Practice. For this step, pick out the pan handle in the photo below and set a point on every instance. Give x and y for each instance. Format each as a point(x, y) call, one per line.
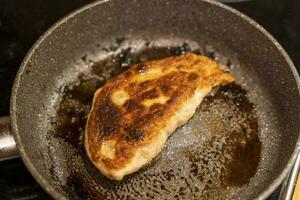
point(8, 147)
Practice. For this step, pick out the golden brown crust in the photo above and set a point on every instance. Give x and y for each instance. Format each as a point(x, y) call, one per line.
point(152, 92)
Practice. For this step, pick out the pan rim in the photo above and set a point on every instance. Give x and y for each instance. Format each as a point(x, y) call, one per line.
point(13, 108)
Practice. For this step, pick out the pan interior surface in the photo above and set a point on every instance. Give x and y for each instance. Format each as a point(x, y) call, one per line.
point(77, 57)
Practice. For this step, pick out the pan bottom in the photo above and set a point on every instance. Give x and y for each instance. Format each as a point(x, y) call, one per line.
point(210, 157)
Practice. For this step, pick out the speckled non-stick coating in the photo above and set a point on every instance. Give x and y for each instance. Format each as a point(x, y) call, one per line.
point(261, 66)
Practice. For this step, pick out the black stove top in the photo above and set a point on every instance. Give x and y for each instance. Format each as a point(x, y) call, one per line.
point(22, 22)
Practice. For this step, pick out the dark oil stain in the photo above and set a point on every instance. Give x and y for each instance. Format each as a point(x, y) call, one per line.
point(119, 40)
point(80, 187)
point(244, 162)
point(73, 110)
point(235, 136)
point(84, 58)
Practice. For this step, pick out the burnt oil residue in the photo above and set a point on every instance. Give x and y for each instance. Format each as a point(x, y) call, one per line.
point(231, 154)
point(73, 110)
point(224, 158)
point(242, 141)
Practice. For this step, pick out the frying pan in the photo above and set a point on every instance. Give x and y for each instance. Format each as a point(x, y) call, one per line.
point(83, 46)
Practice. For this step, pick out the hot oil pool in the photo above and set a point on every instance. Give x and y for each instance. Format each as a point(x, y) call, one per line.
point(209, 157)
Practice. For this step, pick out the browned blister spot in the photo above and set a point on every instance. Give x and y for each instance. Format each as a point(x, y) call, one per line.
point(109, 116)
point(156, 90)
point(144, 85)
point(165, 88)
point(157, 109)
point(127, 74)
point(151, 94)
point(134, 134)
point(197, 62)
point(180, 67)
point(193, 77)
point(131, 105)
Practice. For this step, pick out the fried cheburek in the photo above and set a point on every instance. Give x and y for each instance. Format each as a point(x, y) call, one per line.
point(134, 112)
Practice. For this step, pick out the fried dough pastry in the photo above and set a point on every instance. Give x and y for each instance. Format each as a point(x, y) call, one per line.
point(134, 112)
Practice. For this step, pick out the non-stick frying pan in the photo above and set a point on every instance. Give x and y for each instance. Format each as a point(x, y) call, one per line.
point(54, 85)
